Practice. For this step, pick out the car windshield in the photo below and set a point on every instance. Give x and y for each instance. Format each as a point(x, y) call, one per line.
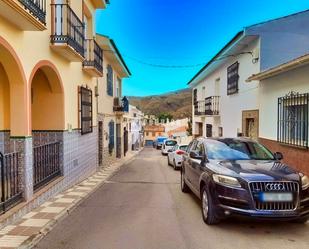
point(170, 143)
point(232, 149)
point(183, 147)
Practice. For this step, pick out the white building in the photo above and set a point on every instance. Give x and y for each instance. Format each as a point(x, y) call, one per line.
point(284, 106)
point(134, 126)
point(224, 104)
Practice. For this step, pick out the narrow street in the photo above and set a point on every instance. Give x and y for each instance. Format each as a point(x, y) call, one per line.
point(143, 207)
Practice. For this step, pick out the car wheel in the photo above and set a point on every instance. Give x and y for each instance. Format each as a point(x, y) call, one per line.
point(174, 165)
point(184, 187)
point(208, 210)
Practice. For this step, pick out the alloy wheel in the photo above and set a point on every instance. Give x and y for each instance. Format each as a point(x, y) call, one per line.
point(205, 204)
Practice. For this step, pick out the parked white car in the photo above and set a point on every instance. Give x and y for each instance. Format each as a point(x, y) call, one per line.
point(174, 156)
point(168, 145)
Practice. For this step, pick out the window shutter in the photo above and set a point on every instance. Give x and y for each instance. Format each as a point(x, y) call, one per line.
point(109, 80)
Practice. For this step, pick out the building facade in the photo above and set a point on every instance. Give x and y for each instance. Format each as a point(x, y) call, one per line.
point(134, 125)
point(49, 65)
point(112, 106)
point(152, 131)
point(284, 110)
point(224, 104)
point(253, 88)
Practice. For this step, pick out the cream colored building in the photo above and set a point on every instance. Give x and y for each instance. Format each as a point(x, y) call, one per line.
point(50, 62)
point(113, 133)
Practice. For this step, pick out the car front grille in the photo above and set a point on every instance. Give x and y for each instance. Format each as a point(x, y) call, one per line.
point(257, 188)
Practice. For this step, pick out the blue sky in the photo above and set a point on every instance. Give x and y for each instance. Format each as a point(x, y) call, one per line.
point(179, 33)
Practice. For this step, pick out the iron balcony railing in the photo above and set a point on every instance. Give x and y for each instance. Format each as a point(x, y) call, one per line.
point(121, 105)
point(46, 163)
point(11, 192)
point(93, 55)
point(199, 107)
point(67, 28)
point(212, 105)
point(37, 8)
point(209, 106)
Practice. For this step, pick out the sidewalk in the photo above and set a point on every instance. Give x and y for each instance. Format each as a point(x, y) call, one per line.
point(35, 225)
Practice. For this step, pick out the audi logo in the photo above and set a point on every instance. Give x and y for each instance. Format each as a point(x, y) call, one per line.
point(275, 186)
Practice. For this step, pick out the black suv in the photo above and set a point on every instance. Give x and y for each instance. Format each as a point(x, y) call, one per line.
point(238, 176)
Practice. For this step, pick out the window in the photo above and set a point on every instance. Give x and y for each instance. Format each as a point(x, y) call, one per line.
point(118, 91)
point(110, 82)
point(147, 133)
point(232, 78)
point(293, 119)
point(170, 143)
point(153, 134)
point(233, 149)
point(85, 96)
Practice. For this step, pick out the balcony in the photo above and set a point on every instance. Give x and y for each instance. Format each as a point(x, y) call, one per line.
point(93, 63)
point(67, 37)
point(121, 105)
point(207, 107)
point(212, 105)
point(27, 15)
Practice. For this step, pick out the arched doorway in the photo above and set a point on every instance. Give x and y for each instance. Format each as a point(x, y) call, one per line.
point(47, 122)
point(14, 126)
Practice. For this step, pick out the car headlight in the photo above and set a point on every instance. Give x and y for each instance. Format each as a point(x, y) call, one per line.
point(226, 180)
point(304, 182)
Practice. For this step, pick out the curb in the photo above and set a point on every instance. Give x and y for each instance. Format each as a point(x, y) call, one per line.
point(35, 239)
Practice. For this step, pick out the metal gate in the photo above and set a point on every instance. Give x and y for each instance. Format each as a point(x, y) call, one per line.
point(125, 141)
point(46, 164)
point(11, 193)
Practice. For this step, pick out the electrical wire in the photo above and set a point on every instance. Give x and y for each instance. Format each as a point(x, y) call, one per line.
point(177, 66)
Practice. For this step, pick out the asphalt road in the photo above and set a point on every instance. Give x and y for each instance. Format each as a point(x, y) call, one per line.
point(143, 207)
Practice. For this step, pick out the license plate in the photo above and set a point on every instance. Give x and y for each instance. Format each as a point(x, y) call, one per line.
point(276, 197)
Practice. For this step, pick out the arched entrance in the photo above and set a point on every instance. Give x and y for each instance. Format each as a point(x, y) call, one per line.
point(14, 126)
point(47, 119)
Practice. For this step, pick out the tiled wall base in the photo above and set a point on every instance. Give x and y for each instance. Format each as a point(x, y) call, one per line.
point(5, 143)
point(79, 162)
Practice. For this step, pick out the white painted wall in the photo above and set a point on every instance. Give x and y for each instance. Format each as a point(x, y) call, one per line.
point(273, 88)
point(231, 106)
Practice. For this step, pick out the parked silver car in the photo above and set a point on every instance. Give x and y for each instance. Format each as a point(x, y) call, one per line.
point(174, 157)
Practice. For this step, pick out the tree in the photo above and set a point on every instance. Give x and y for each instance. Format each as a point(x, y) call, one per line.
point(164, 116)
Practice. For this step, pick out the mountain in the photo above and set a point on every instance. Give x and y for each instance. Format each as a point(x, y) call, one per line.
point(177, 103)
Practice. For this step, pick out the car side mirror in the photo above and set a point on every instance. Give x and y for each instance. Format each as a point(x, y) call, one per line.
point(278, 156)
point(196, 156)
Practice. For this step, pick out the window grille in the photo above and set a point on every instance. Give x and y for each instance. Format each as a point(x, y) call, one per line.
point(85, 110)
point(293, 119)
point(232, 78)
